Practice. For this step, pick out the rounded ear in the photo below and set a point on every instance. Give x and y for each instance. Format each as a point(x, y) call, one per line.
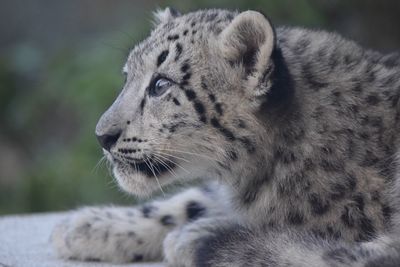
point(248, 41)
point(162, 16)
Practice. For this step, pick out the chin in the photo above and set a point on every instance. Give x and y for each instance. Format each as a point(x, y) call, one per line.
point(140, 181)
point(135, 183)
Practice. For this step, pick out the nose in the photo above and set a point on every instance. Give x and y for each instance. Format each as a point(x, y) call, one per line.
point(109, 139)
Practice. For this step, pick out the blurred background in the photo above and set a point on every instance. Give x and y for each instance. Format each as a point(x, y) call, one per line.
point(60, 68)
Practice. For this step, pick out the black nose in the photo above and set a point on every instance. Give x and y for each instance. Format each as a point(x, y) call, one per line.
point(108, 140)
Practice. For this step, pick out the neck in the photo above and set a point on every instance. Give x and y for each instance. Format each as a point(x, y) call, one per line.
point(279, 115)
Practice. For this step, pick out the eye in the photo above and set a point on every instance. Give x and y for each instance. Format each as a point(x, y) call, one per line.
point(159, 86)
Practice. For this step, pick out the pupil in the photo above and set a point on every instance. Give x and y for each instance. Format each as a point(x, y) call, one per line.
point(160, 83)
point(159, 87)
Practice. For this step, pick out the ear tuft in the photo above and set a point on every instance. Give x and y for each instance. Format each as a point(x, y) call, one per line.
point(165, 15)
point(248, 40)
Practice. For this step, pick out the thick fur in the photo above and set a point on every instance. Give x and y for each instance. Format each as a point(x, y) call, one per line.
point(299, 127)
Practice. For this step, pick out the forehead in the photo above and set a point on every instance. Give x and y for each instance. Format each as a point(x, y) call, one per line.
point(189, 29)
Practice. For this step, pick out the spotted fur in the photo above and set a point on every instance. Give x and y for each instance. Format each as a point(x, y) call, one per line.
point(300, 126)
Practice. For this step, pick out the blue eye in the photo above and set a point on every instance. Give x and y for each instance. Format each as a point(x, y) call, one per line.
point(159, 86)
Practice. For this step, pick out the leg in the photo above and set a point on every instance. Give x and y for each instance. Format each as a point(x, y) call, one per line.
point(181, 244)
point(219, 242)
point(118, 234)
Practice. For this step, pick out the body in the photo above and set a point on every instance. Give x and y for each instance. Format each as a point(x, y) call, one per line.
point(298, 128)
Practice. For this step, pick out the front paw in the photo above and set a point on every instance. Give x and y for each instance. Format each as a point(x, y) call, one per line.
point(85, 235)
point(178, 251)
point(106, 234)
point(181, 244)
point(60, 241)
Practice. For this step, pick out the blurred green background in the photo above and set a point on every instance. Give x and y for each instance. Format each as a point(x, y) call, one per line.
point(60, 68)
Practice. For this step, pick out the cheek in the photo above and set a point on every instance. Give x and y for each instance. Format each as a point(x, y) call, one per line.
point(157, 110)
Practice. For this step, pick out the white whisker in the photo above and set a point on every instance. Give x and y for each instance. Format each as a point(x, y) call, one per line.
point(170, 170)
point(173, 162)
point(150, 165)
point(169, 155)
point(193, 153)
point(96, 167)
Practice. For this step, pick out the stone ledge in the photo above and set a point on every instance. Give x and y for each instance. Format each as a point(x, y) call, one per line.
point(24, 242)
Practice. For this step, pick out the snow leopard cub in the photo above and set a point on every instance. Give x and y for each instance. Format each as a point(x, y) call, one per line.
point(296, 129)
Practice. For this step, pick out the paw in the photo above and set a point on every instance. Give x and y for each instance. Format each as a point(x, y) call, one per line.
point(108, 234)
point(59, 241)
point(181, 244)
point(177, 249)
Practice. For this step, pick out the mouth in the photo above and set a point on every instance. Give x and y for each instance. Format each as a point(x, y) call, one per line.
point(150, 167)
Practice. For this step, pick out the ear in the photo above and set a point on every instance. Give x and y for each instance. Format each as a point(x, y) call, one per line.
point(248, 41)
point(162, 16)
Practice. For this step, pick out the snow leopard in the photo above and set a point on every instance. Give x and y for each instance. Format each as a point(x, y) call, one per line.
point(290, 133)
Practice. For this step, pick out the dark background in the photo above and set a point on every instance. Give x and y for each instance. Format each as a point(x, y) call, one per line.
point(60, 67)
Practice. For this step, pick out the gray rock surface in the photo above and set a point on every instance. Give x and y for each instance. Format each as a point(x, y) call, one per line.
point(24, 242)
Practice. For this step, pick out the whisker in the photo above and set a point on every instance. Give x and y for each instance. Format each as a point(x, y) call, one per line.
point(169, 155)
point(193, 153)
point(173, 162)
point(214, 160)
point(112, 183)
point(109, 166)
point(165, 165)
point(96, 167)
point(152, 170)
